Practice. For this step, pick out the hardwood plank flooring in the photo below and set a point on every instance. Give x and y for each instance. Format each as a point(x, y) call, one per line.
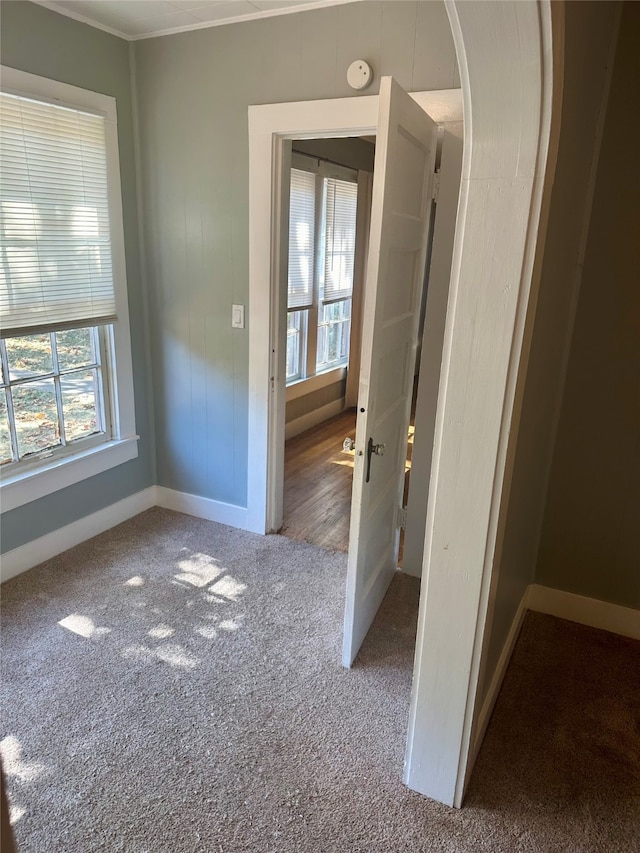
point(318, 476)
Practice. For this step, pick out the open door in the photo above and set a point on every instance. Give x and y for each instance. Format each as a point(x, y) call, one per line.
point(400, 214)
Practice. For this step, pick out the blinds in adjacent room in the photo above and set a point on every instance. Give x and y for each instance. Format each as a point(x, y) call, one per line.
point(302, 225)
point(340, 239)
point(55, 264)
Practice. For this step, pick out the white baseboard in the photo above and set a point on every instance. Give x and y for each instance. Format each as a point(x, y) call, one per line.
point(586, 611)
point(223, 513)
point(314, 418)
point(498, 677)
point(33, 553)
point(37, 551)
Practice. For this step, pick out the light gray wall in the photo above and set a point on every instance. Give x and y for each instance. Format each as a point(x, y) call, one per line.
point(42, 42)
point(193, 90)
point(590, 543)
point(589, 31)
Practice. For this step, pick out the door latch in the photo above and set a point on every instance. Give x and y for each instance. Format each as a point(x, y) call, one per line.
point(372, 448)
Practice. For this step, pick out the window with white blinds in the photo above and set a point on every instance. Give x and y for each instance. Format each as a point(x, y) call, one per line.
point(302, 228)
point(340, 239)
point(322, 249)
point(55, 242)
point(67, 409)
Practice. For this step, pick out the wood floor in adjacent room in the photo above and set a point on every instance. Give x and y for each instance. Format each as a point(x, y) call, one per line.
point(318, 476)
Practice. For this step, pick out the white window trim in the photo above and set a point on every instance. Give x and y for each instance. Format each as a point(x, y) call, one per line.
point(312, 378)
point(35, 482)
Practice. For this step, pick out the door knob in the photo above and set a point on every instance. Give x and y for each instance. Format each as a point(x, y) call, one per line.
point(372, 448)
point(348, 444)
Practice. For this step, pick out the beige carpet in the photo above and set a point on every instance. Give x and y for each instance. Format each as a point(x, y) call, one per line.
point(174, 685)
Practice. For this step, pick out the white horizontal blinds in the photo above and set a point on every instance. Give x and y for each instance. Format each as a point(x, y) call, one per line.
point(302, 227)
point(340, 239)
point(55, 264)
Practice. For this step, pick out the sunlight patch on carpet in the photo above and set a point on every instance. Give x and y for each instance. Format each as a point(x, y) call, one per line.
point(13, 763)
point(83, 626)
point(199, 570)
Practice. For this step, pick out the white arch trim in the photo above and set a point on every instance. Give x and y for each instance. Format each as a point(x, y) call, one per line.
point(506, 63)
point(505, 57)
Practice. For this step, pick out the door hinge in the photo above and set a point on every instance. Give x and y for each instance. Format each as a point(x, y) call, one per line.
point(402, 518)
point(436, 187)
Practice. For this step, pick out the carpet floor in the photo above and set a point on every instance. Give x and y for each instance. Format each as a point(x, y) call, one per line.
point(175, 685)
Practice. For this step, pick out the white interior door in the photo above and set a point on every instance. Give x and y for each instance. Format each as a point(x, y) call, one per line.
point(400, 212)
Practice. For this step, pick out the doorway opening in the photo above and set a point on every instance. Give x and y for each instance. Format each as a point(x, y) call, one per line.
point(503, 183)
point(318, 468)
point(328, 224)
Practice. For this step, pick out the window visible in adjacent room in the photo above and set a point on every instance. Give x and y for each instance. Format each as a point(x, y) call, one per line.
point(66, 391)
point(322, 240)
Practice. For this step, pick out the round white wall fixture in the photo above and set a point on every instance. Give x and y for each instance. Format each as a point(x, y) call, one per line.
point(359, 74)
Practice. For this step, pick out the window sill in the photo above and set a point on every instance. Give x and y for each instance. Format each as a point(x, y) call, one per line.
point(302, 387)
point(27, 486)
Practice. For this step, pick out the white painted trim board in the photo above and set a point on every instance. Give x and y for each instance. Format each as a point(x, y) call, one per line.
point(219, 511)
point(586, 611)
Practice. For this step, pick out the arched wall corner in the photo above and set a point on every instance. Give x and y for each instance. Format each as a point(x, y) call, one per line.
point(505, 55)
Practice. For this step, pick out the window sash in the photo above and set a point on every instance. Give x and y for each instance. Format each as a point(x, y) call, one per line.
point(58, 374)
point(334, 331)
point(327, 194)
point(55, 241)
point(302, 240)
point(339, 240)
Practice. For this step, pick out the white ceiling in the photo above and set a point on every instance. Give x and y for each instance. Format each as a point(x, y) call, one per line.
point(135, 19)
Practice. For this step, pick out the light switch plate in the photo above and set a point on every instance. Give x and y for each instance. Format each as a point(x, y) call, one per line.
point(237, 316)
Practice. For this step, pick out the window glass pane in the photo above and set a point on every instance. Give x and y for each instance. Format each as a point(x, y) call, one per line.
point(80, 404)
point(5, 435)
point(29, 356)
point(334, 330)
point(36, 416)
point(301, 239)
point(75, 348)
point(340, 238)
point(294, 323)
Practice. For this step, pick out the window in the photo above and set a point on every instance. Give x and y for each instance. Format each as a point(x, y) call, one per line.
point(66, 392)
point(322, 238)
point(53, 394)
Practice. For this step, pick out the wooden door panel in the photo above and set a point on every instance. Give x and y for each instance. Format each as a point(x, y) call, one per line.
point(401, 207)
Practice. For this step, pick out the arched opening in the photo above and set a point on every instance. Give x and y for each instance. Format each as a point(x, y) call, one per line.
point(506, 59)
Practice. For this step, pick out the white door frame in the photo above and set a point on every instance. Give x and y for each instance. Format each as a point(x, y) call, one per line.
point(270, 125)
point(507, 111)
